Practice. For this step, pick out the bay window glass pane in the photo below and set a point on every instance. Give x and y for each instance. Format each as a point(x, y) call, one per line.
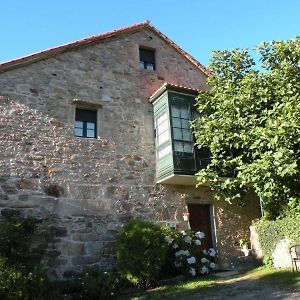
point(184, 112)
point(175, 111)
point(163, 137)
point(162, 127)
point(186, 135)
point(178, 146)
point(162, 118)
point(176, 122)
point(177, 133)
point(164, 151)
point(185, 123)
point(188, 147)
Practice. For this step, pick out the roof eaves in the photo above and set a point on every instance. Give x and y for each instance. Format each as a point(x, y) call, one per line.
point(25, 60)
point(28, 59)
point(181, 51)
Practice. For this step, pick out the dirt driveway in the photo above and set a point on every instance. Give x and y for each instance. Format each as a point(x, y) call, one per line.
point(247, 288)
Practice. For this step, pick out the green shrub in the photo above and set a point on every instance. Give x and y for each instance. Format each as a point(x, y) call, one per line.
point(20, 274)
point(95, 284)
point(141, 252)
point(16, 283)
point(15, 238)
point(271, 232)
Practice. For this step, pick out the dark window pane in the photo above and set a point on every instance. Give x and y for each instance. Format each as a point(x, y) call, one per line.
point(176, 122)
point(188, 147)
point(186, 135)
point(147, 59)
point(185, 123)
point(147, 55)
point(184, 112)
point(86, 115)
point(175, 111)
point(177, 133)
point(178, 146)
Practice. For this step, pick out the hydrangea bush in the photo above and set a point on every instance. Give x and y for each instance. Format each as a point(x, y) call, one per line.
point(187, 255)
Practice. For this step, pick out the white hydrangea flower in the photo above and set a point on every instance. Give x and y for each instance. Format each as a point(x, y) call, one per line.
point(187, 239)
point(212, 252)
point(168, 239)
point(175, 246)
point(203, 260)
point(182, 253)
point(197, 242)
point(204, 252)
point(199, 235)
point(192, 271)
point(183, 232)
point(212, 265)
point(191, 260)
point(204, 270)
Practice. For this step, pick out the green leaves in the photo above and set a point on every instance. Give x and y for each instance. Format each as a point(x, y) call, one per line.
point(250, 121)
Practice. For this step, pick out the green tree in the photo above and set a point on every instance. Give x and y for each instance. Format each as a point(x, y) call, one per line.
point(250, 122)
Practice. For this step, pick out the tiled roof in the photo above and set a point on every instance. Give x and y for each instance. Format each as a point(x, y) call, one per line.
point(173, 87)
point(94, 39)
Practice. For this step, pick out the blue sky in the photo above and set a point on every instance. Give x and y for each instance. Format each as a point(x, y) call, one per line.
point(198, 26)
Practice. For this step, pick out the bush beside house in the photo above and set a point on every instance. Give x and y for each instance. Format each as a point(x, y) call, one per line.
point(283, 232)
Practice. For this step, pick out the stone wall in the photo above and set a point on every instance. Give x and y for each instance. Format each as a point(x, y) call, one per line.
point(88, 188)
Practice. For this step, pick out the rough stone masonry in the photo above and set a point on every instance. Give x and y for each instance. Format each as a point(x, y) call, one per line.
point(86, 189)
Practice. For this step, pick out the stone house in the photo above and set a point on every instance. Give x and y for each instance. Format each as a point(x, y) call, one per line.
point(95, 133)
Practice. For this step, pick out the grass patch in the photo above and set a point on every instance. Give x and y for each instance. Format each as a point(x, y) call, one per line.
point(256, 281)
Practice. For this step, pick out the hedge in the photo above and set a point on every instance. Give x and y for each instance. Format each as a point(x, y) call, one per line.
point(272, 232)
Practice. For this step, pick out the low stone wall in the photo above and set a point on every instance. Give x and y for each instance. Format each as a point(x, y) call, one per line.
point(72, 239)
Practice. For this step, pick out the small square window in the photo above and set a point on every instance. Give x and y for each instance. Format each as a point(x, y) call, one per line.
point(85, 123)
point(147, 59)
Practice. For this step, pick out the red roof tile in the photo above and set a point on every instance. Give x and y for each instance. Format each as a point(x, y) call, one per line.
point(94, 39)
point(172, 86)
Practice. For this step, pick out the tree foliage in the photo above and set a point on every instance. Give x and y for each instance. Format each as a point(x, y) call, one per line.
point(250, 121)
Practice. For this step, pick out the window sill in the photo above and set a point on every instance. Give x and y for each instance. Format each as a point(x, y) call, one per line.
point(146, 70)
point(87, 138)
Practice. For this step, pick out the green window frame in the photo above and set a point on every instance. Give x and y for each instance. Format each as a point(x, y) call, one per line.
point(182, 134)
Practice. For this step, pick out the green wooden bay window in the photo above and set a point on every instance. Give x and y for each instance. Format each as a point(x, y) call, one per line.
point(177, 160)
